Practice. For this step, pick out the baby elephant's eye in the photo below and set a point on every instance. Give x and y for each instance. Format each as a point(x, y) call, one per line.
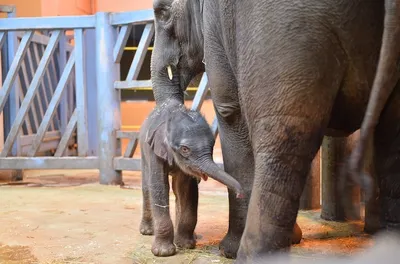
point(184, 150)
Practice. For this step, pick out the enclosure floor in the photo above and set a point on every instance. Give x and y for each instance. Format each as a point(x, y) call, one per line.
point(72, 219)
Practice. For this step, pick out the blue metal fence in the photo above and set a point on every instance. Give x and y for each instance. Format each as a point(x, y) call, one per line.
point(60, 97)
point(61, 88)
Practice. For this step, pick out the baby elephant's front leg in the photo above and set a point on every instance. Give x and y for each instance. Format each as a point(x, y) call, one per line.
point(186, 191)
point(163, 244)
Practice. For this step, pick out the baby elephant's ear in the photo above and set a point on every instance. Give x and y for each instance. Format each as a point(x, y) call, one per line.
point(155, 137)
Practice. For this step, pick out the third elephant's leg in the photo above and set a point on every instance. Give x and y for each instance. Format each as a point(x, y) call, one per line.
point(387, 155)
point(187, 198)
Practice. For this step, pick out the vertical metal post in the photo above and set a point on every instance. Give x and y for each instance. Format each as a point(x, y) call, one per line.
point(91, 86)
point(108, 100)
point(62, 61)
point(333, 153)
point(12, 105)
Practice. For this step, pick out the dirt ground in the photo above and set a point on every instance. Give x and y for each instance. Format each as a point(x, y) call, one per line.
point(66, 217)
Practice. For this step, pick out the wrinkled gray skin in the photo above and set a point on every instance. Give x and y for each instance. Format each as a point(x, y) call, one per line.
point(296, 71)
point(282, 74)
point(179, 142)
point(179, 44)
point(388, 74)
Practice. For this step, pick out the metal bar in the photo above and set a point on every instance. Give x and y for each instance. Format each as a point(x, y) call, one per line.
point(15, 65)
point(130, 149)
point(80, 86)
point(201, 93)
point(44, 146)
point(30, 93)
point(127, 164)
point(132, 84)
point(49, 163)
point(28, 139)
point(32, 106)
point(144, 43)
point(331, 207)
point(135, 48)
point(134, 18)
point(108, 100)
point(35, 107)
point(13, 102)
point(214, 127)
point(55, 100)
point(67, 135)
point(62, 61)
point(2, 38)
point(50, 23)
point(91, 86)
point(36, 38)
point(121, 42)
point(53, 80)
point(44, 93)
point(127, 134)
point(27, 119)
point(21, 94)
point(49, 90)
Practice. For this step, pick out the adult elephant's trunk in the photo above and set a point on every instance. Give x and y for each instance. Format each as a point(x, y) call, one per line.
point(385, 80)
point(212, 170)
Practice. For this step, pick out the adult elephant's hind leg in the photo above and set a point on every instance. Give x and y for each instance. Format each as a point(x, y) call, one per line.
point(186, 191)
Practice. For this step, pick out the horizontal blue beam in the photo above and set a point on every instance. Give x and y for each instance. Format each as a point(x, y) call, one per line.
point(129, 85)
point(51, 23)
point(133, 18)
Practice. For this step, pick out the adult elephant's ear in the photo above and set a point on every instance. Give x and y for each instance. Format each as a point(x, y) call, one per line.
point(156, 138)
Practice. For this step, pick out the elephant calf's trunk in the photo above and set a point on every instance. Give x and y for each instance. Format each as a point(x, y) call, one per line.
point(213, 171)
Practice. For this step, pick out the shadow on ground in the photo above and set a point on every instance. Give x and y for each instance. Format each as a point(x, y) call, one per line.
point(66, 217)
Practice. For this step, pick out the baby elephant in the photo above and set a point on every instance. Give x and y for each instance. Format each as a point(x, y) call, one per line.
point(179, 142)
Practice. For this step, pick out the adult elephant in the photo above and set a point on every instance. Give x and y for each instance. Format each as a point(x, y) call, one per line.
point(176, 59)
point(283, 74)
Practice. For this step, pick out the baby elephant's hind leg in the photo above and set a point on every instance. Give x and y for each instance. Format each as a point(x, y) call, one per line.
point(146, 225)
point(187, 196)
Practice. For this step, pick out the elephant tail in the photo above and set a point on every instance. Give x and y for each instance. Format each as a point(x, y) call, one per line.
point(387, 75)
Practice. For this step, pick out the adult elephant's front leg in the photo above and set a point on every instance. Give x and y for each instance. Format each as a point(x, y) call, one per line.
point(287, 103)
point(236, 149)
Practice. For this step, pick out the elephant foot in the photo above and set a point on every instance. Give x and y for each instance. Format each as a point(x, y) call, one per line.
point(146, 228)
point(185, 242)
point(229, 246)
point(163, 248)
point(297, 234)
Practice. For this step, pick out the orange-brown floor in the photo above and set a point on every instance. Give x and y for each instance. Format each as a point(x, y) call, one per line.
point(70, 218)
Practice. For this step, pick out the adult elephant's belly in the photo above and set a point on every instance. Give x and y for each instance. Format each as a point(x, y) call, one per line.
point(359, 41)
